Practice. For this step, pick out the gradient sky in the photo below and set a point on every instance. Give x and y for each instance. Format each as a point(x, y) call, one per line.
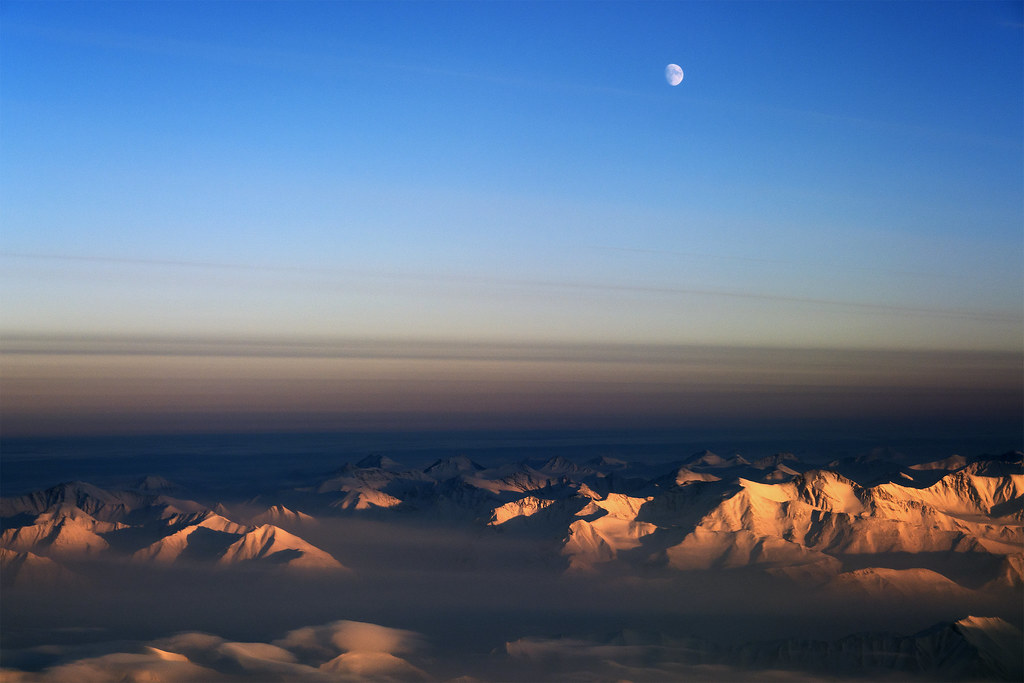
point(841, 177)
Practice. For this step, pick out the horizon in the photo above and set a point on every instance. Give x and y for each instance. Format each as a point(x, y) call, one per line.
point(334, 215)
point(132, 384)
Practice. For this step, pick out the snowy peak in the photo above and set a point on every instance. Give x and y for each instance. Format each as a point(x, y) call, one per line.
point(830, 491)
point(775, 460)
point(1003, 465)
point(1000, 645)
point(524, 479)
point(523, 507)
point(63, 532)
point(201, 537)
point(622, 506)
point(608, 527)
point(685, 475)
point(91, 499)
point(447, 468)
point(365, 499)
point(963, 494)
point(354, 477)
point(154, 484)
point(706, 458)
point(192, 543)
point(68, 511)
point(279, 514)
point(380, 462)
point(272, 545)
point(561, 466)
point(708, 466)
point(216, 539)
point(952, 463)
point(604, 463)
point(1010, 575)
point(207, 519)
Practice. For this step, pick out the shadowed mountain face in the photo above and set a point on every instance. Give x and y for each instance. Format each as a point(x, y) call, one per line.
point(534, 563)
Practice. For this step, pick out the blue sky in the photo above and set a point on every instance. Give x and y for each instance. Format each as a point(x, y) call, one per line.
point(828, 175)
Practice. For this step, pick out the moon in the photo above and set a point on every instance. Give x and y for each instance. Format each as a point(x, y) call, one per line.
point(673, 74)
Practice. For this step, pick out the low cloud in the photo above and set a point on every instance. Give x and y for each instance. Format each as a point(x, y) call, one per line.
point(329, 640)
point(339, 651)
point(354, 636)
point(121, 666)
point(633, 658)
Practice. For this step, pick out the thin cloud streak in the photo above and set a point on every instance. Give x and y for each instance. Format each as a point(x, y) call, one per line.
point(461, 350)
point(850, 306)
point(779, 262)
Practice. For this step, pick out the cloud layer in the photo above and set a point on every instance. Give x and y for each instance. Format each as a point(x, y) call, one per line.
point(339, 651)
point(166, 383)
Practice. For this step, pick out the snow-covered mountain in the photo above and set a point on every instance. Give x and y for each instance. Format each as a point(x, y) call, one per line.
point(775, 514)
point(864, 532)
point(273, 545)
point(63, 530)
point(154, 483)
point(99, 503)
point(279, 514)
point(51, 526)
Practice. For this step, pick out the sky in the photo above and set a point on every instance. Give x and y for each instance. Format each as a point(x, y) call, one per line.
point(315, 214)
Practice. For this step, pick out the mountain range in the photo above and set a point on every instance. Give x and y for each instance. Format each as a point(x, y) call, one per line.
point(775, 514)
point(869, 530)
